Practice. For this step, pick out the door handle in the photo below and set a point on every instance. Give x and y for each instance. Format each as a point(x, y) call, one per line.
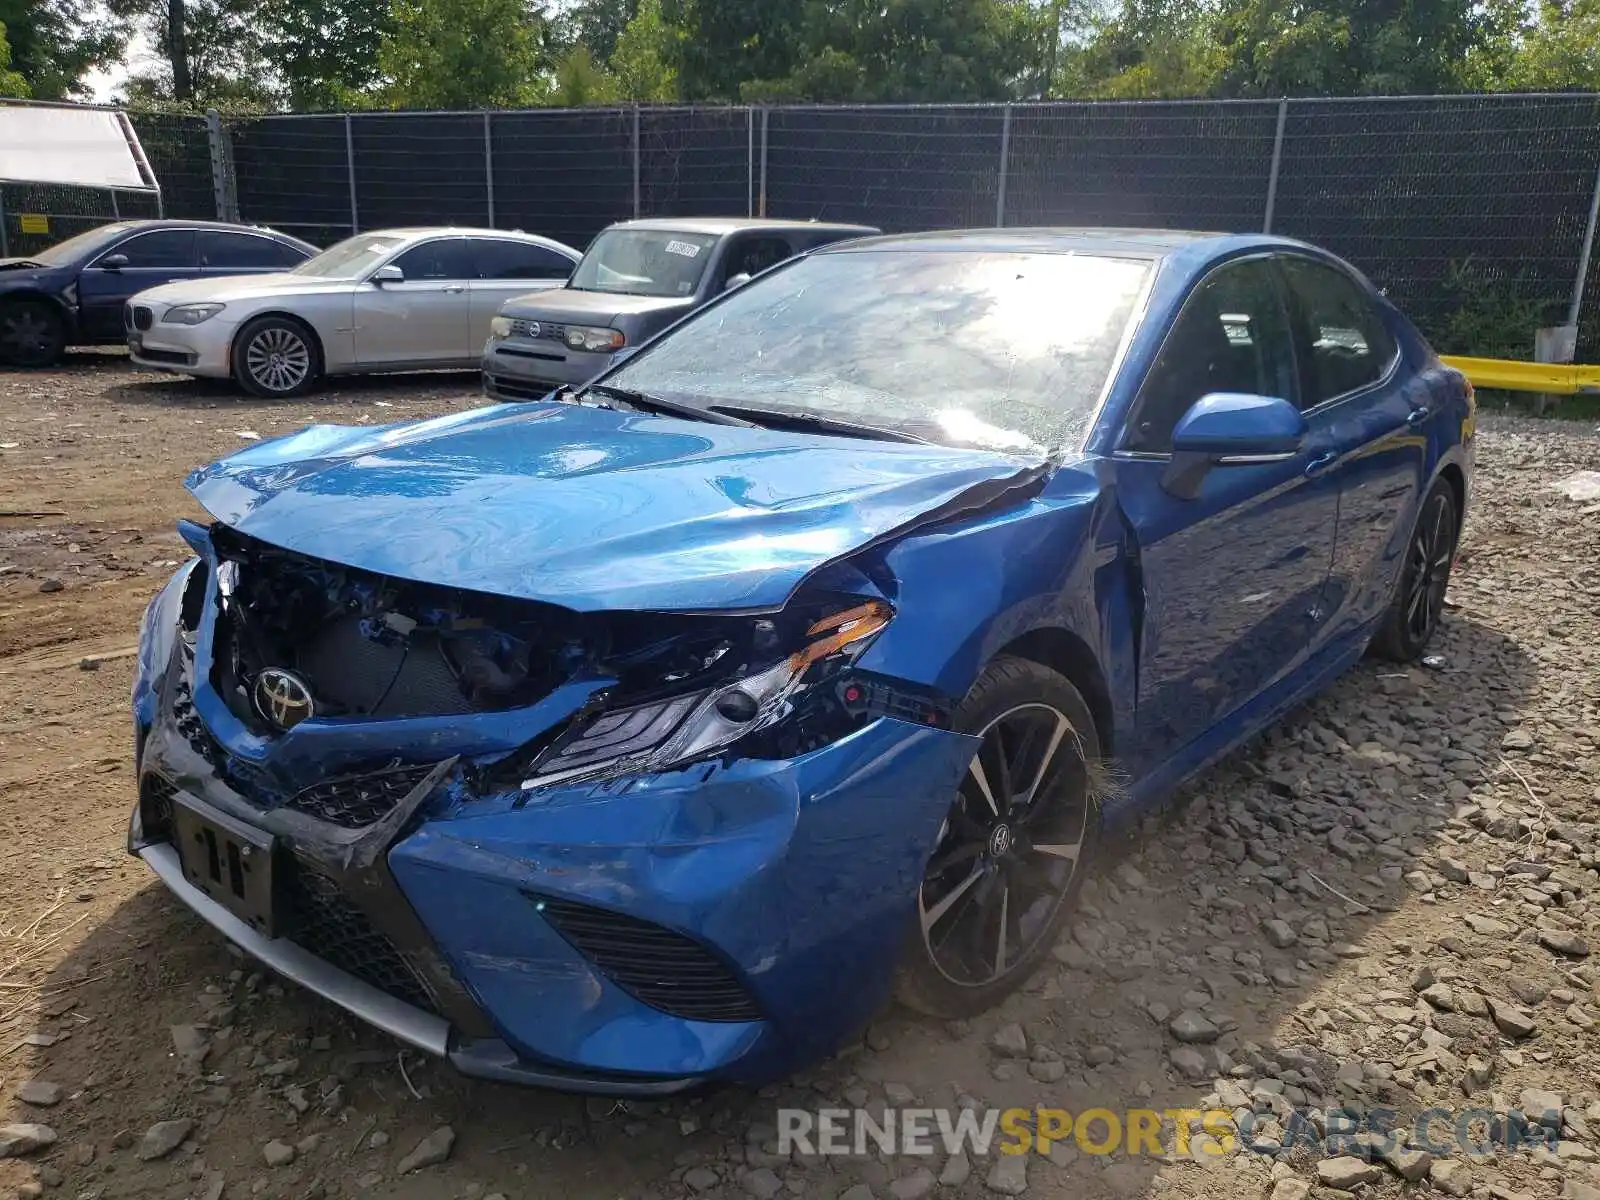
point(1418, 416)
point(1320, 461)
point(453, 289)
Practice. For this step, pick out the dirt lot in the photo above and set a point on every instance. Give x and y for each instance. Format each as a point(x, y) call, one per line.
point(1387, 902)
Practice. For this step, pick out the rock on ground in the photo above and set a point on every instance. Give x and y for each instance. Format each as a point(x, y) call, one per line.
point(431, 1150)
point(162, 1138)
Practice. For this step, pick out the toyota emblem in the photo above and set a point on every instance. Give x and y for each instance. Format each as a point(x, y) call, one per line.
point(283, 698)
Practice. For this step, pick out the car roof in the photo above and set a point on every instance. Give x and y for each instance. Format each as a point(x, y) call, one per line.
point(418, 232)
point(717, 226)
point(135, 224)
point(1132, 243)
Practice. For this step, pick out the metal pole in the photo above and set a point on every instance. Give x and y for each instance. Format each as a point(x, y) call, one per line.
point(750, 162)
point(488, 167)
point(116, 211)
point(636, 205)
point(161, 205)
point(762, 194)
point(219, 182)
point(1576, 307)
point(1277, 158)
point(5, 234)
point(1005, 161)
point(350, 162)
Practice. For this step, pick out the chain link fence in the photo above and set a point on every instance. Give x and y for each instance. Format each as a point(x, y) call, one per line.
point(1472, 212)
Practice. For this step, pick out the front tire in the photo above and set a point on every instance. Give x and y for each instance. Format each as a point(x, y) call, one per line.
point(1014, 848)
point(32, 333)
point(276, 358)
point(1413, 616)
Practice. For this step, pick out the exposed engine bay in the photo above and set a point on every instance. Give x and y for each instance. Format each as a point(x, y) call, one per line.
point(371, 646)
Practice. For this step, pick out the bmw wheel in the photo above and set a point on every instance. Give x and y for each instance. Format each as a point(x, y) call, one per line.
point(1014, 846)
point(1418, 602)
point(276, 357)
point(32, 333)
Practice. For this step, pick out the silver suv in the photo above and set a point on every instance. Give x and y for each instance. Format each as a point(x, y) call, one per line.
point(636, 278)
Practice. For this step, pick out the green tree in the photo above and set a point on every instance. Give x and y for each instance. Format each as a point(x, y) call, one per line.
point(1561, 52)
point(1359, 47)
point(11, 83)
point(54, 43)
point(212, 53)
point(911, 50)
point(325, 51)
point(596, 24)
point(462, 54)
point(644, 58)
point(581, 81)
point(723, 44)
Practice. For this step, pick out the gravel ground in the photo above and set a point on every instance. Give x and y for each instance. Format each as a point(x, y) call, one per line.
point(1387, 902)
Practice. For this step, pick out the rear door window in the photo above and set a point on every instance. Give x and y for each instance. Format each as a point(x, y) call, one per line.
point(220, 250)
point(1345, 343)
point(505, 259)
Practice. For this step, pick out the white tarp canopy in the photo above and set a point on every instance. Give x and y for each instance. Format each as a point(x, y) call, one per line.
point(85, 147)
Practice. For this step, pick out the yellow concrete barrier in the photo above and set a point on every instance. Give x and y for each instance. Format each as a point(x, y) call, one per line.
point(1560, 379)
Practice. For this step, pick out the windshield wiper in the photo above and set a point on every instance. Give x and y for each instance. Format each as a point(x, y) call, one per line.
point(648, 403)
point(808, 420)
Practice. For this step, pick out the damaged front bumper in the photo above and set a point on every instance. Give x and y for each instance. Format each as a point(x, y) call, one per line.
point(726, 921)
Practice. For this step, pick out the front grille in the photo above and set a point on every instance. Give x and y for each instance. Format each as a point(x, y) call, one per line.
point(547, 330)
point(155, 807)
point(656, 966)
point(358, 800)
point(520, 389)
point(322, 919)
point(140, 317)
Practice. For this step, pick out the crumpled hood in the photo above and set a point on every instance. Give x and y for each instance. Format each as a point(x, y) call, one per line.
point(233, 288)
point(590, 508)
point(570, 306)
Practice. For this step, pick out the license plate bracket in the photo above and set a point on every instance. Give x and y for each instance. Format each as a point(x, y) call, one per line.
point(229, 861)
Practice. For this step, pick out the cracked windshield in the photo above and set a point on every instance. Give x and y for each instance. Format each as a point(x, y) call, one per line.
point(1001, 351)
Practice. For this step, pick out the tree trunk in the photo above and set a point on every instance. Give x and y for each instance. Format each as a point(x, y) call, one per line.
point(178, 50)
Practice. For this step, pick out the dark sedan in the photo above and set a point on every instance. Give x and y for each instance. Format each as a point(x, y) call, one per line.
point(72, 294)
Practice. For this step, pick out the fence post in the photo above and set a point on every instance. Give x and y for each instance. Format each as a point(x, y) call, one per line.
point(1005, 162)
point(350, 164)
point(488, 166)
point(636, 196)
point(5, 236)
point(1575, 309)
point(750, 161)
point(216, 138)
point(1277, 159)
point(761, 195)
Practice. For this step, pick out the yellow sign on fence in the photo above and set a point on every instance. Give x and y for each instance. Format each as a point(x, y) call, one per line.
point(33, 222)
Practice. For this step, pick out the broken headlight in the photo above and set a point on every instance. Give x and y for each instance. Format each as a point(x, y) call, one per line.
point(652, 736)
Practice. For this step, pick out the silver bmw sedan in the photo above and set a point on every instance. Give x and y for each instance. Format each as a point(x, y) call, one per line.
point(388, 300)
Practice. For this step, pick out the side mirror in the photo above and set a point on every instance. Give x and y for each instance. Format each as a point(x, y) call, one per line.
point(736, 281)
point(114, 262)
point(1231, 429)
point(388, 274)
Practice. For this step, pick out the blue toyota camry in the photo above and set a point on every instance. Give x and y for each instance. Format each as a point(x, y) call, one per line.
point(652, 735)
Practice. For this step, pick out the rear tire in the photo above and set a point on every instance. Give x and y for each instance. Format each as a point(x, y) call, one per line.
point(1015, 846)
point(32, 333)
point(1413, 616)
point(276, 358)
